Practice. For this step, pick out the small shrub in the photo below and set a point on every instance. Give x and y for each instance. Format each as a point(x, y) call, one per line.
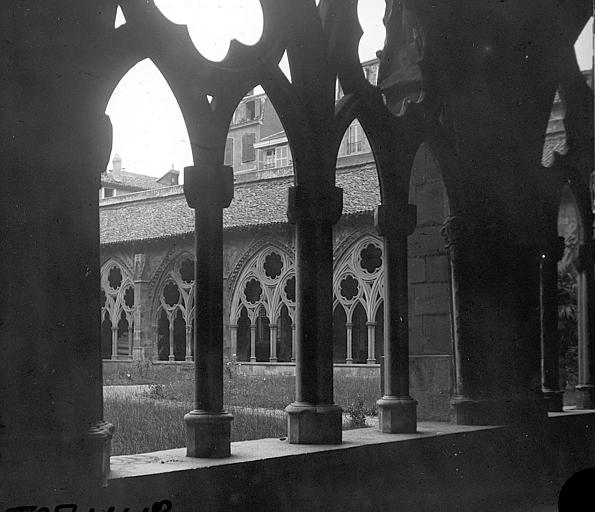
point(155, 392)
point(357, 413)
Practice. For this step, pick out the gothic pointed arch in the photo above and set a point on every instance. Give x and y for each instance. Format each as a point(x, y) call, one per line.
point(172, 308)
point(117, 308)
point(358, 292)
point(266, 280)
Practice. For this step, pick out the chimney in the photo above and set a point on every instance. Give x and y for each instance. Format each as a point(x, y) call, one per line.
point(117, 168)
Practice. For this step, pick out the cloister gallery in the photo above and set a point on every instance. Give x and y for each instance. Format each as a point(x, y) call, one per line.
point(437, 250)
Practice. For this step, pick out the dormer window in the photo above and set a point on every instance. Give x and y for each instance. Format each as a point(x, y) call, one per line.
point(250, 111)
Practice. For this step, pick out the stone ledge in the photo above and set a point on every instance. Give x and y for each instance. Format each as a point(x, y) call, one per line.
point(441, 467)
point(127, 466)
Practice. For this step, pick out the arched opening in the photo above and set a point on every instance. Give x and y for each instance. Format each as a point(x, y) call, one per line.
point(379, 334)
point(243, 347)
point(179, 336)
point(106, 337)
point(339, 335)
point(163, 337)
point(142, 147)
point(359, 334)
point(262, 336)
point(123, 336)
point(428, 260)
point(284, 336)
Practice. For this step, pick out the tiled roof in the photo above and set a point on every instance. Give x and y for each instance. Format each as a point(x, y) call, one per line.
point(130, 181)
point(165, 214)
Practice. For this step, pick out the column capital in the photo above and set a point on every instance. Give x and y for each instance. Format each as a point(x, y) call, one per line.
point(370, 324)
point(233, 326)
point(324, 205)
point(395, 219)
point(208, 185)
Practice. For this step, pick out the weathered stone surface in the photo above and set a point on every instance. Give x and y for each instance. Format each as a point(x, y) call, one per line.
point(432, 299)
point(311, 424)
point(437, 268)
point(437, 334)
point(426, 240)
point(417, 270)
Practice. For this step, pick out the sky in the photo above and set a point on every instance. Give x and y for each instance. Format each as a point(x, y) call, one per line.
point(149, 132)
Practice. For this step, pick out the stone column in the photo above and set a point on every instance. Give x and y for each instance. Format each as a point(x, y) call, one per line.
point(371, 342)
point(293, 348)
point(253, 342)
point(188, 356)
point(142, 311)
point(208, 188)
point(313, 417)
point(114, 342)
point(273, 342)
point(349, 333)
point(233, 329)
point(130, 340)
point(396, 408)
point(496, 322)
point(586, 327)
point(53, 437)
point(550, 360)
point(171, 356)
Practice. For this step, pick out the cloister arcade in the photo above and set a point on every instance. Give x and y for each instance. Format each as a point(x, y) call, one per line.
point(472, 81)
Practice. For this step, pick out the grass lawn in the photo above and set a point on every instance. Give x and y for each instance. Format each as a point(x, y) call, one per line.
point(149, 425)
point(154, 422)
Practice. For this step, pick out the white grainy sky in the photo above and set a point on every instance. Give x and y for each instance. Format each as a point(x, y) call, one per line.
point(149, 132)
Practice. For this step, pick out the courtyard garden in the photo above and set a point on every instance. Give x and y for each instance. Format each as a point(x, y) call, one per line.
point(151, 418)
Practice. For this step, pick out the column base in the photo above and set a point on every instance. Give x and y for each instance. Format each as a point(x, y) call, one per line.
point(252, 359)
point(554, 400)
point(100, 446)
point(499, 411)
point(208, 435)
point(171, 358)
point(138, 353)
point(188, 358)
point(314, 424)
point(272, 359)
point(371, 361)
point(585, 396)
point(397, 415)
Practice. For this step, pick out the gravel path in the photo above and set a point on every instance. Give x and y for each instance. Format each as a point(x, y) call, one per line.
point(132, 390)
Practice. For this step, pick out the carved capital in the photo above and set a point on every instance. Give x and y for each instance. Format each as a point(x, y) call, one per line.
point(206, 185)
point(394, 220)
point(319, 206)
point(140, 261)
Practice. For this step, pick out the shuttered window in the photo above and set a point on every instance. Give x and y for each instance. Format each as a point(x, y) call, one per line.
point(228, 159)
point(248, 154)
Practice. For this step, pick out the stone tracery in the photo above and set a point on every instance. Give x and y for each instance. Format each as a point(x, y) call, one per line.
point(117, 311)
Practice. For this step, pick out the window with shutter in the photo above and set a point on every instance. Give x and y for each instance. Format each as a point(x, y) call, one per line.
point(228, 159)
point(248, 153)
